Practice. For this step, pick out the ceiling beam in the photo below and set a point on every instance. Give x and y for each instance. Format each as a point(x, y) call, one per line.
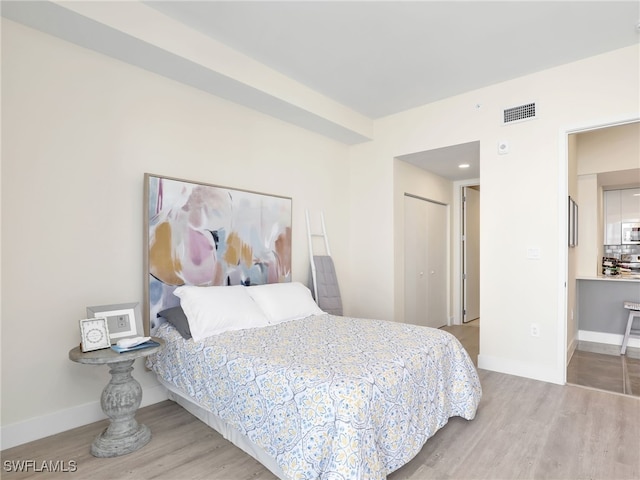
point(142, 36)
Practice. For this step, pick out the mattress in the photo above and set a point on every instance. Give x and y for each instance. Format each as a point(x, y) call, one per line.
point(325, 396)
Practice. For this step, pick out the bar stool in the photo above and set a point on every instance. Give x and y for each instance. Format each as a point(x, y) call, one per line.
point(634, 312)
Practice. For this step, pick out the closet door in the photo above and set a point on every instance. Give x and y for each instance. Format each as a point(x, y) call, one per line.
point(415, 261)
point(425, 262)
point(437, 224)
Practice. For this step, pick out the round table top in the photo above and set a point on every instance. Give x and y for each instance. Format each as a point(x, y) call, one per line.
point(108, 355)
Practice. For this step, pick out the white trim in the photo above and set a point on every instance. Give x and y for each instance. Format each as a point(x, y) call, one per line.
point(606, 338)
point(39, 427)
point(520, 369)
point(611, 122)
point(563, 255)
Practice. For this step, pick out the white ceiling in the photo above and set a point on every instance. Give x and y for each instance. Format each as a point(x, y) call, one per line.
point(373, 58)
point(445, 162)
point(380, 58)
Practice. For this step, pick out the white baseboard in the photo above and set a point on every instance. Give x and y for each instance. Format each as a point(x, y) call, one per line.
point(572, 349)
point(520, 369)
point(606, 338)
point(63, 420)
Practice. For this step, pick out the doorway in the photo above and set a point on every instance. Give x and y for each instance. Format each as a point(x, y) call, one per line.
point(598, 158)
point(425, 261)
point(470, 253)
point(458, 164)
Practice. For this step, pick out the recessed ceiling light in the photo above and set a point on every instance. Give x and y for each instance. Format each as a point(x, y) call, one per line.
point(464, 165)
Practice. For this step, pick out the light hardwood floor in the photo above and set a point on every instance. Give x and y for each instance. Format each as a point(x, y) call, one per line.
point(615, 373)
point(524, 429)
point(469, 336)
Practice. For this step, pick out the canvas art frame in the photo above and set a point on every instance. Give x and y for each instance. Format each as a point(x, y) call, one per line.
point(197, 233)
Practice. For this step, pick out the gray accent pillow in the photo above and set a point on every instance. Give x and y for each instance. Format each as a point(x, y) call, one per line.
point(176, 317)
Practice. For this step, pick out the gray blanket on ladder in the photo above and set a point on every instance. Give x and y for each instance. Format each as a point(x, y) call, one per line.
point(329, 299)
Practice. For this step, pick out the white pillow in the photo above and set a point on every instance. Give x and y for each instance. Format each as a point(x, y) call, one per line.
point(213, 310)
point(281, 302)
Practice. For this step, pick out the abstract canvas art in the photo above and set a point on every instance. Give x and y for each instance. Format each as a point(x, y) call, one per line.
point(207, 235)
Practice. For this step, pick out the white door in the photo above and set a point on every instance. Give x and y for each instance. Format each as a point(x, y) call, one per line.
point(425, 248)
point(471, 254)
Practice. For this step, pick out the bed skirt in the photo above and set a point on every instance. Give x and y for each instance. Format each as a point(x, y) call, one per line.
point(219, 425)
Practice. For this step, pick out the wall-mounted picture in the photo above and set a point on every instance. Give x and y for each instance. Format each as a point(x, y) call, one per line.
point(573, 222)
point(124, 319)
point(208, 235)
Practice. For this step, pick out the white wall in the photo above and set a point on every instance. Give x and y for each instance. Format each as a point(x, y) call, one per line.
point(523, 201)
point(609, 149)
point(79, 130)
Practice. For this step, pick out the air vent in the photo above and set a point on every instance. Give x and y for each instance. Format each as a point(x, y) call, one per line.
point(519, 113)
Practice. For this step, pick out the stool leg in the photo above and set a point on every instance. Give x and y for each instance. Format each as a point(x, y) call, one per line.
point(625, 340)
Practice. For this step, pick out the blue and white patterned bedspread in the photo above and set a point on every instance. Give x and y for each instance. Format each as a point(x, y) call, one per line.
point(328, 397)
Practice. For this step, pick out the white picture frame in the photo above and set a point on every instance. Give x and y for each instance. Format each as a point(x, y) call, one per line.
point(94, 334)
point(124, 319)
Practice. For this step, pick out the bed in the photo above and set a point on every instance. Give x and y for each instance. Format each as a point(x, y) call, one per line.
point(309, 394)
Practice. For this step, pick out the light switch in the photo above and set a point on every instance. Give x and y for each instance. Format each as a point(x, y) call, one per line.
point(534, 253)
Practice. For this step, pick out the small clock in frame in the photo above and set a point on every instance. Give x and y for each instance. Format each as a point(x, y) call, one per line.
point(94, 334)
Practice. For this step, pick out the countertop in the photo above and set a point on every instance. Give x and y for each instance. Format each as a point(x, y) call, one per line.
point(612, 278)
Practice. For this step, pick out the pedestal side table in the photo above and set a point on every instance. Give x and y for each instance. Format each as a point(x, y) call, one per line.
point(120, 400)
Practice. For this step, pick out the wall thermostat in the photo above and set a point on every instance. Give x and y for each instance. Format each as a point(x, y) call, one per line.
point(503, 147)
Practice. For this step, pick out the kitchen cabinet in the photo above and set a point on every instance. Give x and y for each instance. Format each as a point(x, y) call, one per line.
point(613, 218)
point(620, 206)
point(630, 205)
